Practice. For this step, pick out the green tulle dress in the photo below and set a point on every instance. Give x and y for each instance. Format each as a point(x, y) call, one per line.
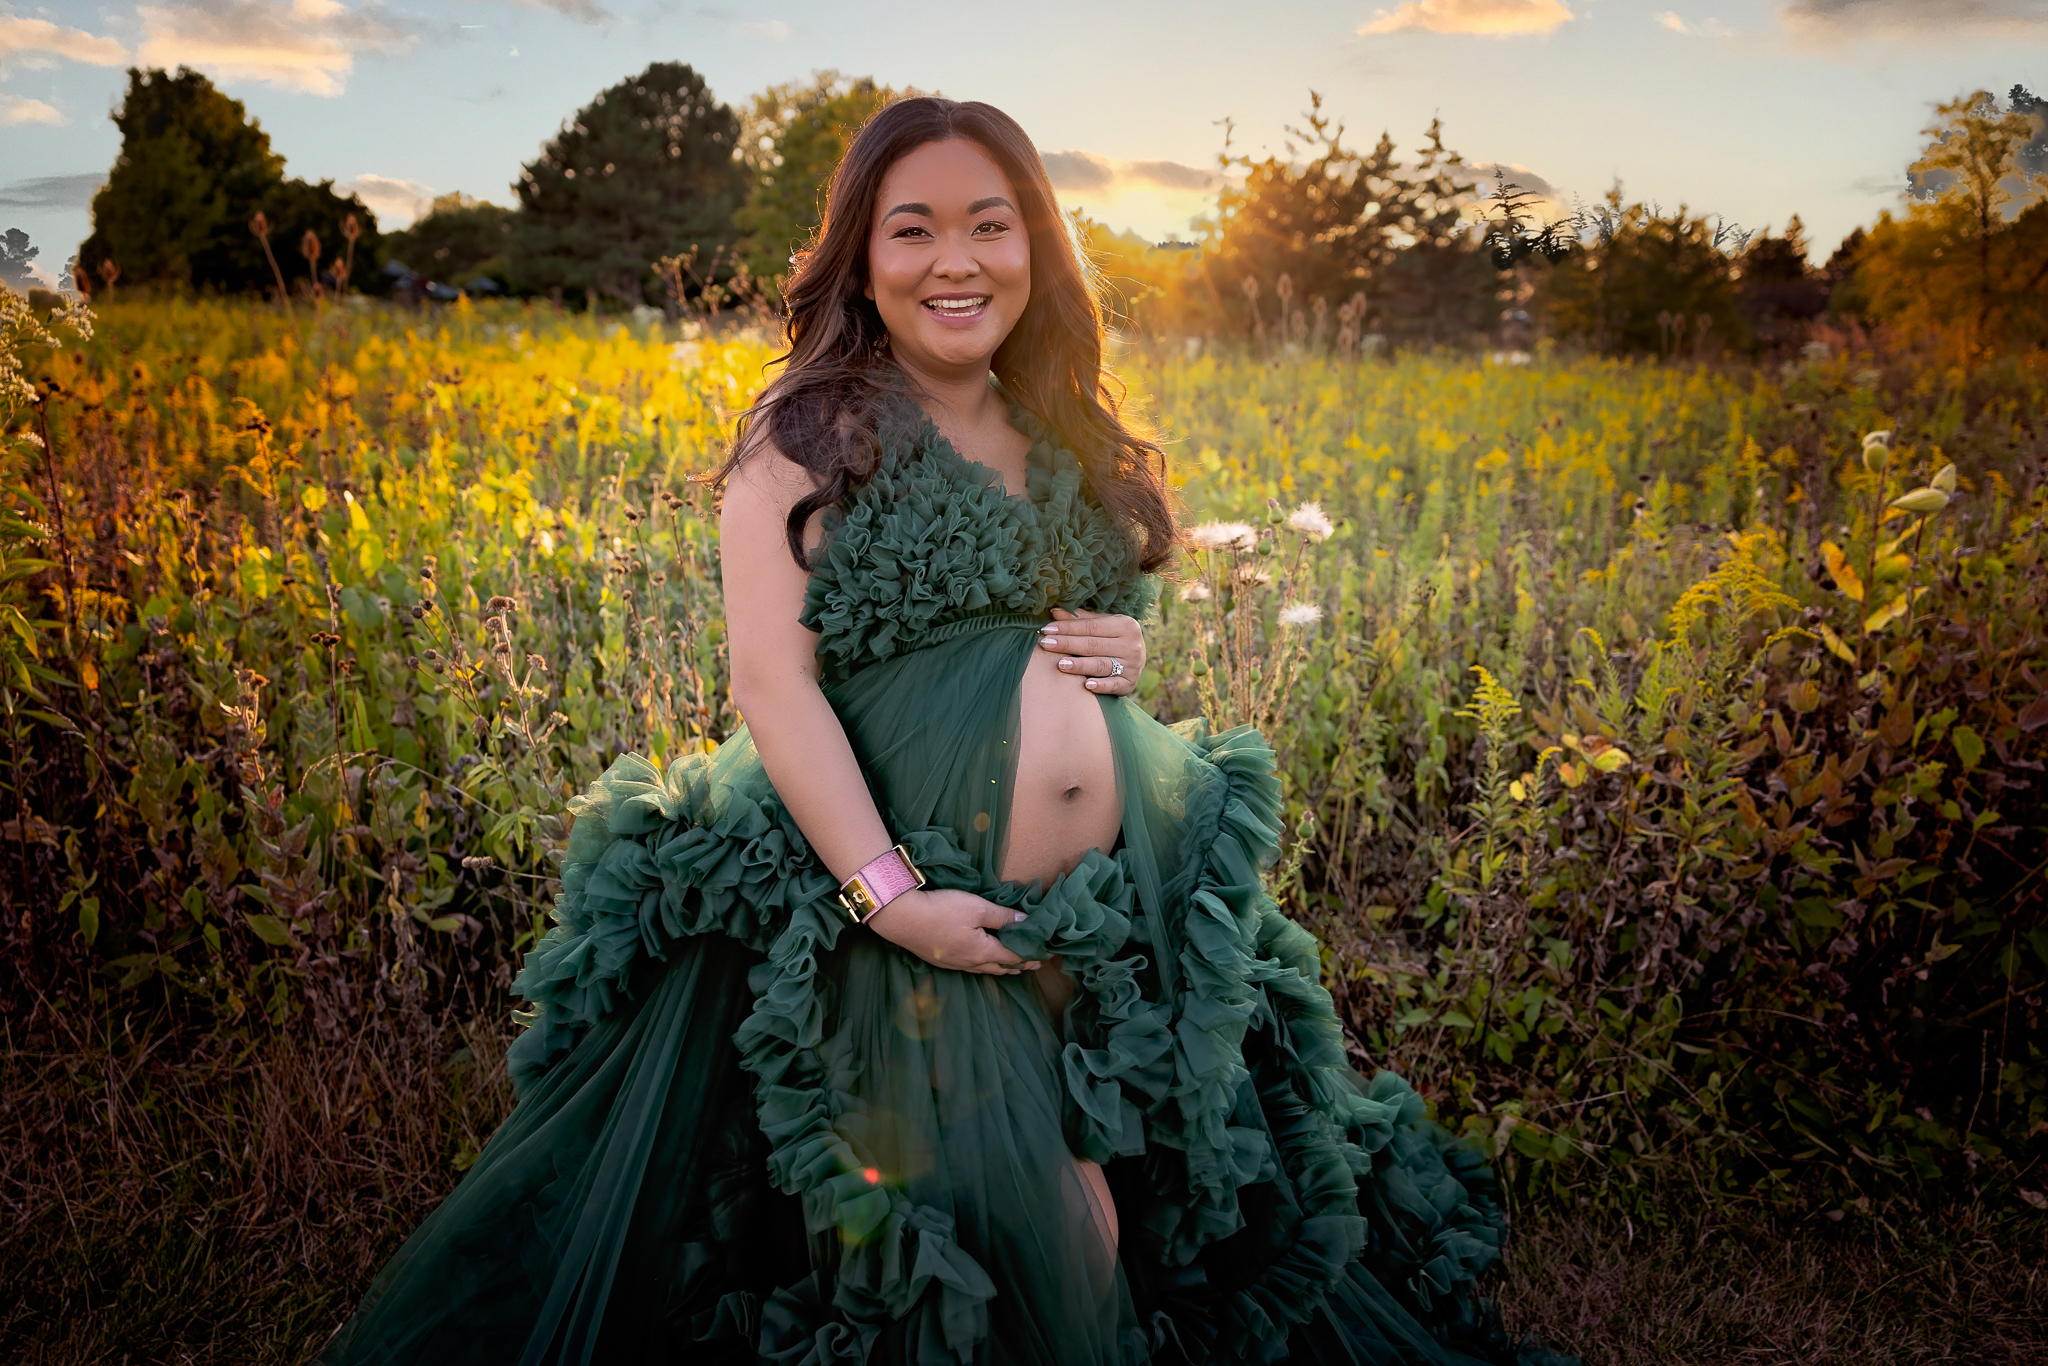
point(747, 1131)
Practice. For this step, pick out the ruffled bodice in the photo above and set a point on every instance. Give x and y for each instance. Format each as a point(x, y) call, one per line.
point(933, 539)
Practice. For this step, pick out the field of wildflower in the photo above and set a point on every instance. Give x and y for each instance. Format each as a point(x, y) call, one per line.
point(1662, 744)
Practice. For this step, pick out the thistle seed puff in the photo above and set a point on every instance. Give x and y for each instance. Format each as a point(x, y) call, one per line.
point(1222, 536)
point(1311, 521)
point(1300, 614)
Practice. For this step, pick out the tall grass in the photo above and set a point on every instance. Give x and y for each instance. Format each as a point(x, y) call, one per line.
point(1656, 856)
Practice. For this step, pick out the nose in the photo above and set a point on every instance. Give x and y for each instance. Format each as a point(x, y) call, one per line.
point(955, 259)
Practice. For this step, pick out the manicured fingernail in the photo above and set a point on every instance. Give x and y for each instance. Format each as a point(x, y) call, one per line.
point(1020, 916)
point(1049, 628)
point(1066, 664)
point(1091, 682)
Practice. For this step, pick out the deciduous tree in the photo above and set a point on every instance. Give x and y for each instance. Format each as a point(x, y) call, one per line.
point(1966, 238)
point(1347, 221)
point(456, 240)
point(792, 139)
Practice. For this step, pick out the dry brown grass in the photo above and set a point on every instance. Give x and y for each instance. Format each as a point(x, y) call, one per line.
point(230, 1206)
point(221, 1206)
point(1711, 1288)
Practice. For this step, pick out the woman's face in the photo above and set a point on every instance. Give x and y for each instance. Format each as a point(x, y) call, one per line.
point(949, 260)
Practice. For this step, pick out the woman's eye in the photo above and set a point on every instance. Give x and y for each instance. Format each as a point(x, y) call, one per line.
point(993, 226)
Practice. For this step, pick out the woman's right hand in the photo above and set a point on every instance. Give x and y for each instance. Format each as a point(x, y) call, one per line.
point(951, 929)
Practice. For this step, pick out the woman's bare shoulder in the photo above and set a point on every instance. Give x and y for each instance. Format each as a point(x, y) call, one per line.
point(765, 477)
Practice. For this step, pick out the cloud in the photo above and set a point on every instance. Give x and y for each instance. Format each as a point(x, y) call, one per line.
point(1836, 20)
point(770, 30)
point(32, 37)
point(1491, 18)
point(1155, 199)
point(1483, 178)
point(395, 202)
point(582, 11)
point(308, 45)
point(1710, 28)
point(53, 191)
point(20, 109)
point(1085, 172)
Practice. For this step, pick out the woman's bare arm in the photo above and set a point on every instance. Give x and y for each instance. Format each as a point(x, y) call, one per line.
point(801, 743)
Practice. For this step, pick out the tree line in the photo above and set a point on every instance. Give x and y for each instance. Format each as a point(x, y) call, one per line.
point(657, 193)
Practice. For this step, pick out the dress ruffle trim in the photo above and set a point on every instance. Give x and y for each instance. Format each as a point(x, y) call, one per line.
point(655, 858)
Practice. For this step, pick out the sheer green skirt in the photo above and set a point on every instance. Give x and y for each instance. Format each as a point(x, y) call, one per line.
point(747, 1132)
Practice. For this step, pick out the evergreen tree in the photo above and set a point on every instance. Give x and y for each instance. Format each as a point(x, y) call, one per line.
point(791, 140)
point(194, 169)
point(650, 168)
point(1650, 283)
point(1778, 289)
point(15, 257)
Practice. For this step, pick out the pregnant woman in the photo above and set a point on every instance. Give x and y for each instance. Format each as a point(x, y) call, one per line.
point(940, 1015)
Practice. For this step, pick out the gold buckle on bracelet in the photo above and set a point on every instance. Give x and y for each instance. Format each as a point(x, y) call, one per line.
point(860, 902)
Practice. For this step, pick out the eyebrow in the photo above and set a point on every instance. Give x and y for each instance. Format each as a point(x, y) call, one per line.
point(978, 206)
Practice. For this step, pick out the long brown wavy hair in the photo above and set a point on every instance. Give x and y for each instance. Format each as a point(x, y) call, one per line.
point(825, 409)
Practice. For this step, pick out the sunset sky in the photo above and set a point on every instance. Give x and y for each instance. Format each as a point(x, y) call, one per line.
point(1751, 109)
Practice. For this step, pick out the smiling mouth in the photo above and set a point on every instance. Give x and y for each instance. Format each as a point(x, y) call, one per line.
point(970, 307)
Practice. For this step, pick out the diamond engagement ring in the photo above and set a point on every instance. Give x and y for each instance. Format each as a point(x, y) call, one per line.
point(1116, 668)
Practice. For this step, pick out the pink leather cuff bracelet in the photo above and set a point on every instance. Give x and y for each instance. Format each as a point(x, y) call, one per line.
point(879, 883)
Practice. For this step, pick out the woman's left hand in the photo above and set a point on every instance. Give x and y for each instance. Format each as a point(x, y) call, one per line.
point(1107, 651)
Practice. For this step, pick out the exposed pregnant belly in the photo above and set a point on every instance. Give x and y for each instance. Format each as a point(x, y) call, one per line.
point(1065, 801)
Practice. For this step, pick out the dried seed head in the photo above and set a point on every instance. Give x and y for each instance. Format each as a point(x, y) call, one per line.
point(537, 663)
point(498, 603)
point(427, 572)
point(479, 863)
point(494, 623)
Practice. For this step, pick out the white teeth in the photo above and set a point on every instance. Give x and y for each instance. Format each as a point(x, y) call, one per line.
point(955, 305)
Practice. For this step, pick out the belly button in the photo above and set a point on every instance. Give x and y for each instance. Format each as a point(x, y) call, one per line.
point(1071, 793)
